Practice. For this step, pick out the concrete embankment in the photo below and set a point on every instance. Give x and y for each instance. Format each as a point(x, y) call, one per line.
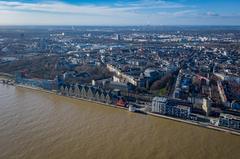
point(196, 123)
point(6, 75)
point(73, 97)
point(204, 125)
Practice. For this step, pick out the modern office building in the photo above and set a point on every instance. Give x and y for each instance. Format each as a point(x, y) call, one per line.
point(229, 121)
point(162, 106)
point(158, 104)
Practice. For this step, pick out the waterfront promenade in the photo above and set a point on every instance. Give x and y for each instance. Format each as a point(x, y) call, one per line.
point(204, 125)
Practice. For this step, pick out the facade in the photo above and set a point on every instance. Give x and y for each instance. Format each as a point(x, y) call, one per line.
point(124, 76)
point(39, 83)
point(98, 95)
point(158, 104)
point(235, 105)
point(229, 121)
point(206, 106)
point(66, 90)
point(76, 90)
point(222, 94)
point(84, 91)
point(119, 85)
point(179, 111)
point(87, 92)
point(161, 105)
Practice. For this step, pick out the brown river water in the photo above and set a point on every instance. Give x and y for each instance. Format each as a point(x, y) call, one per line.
point(38, 125)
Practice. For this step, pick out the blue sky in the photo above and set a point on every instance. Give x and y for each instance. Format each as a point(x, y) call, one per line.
point(124, 12)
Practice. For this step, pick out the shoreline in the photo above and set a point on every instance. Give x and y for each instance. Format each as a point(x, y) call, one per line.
point(212, 127)
point(72, 97)
point(196, 124)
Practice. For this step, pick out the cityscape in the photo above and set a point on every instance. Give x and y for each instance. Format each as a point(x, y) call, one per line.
point(179, 72)
point(72, 72)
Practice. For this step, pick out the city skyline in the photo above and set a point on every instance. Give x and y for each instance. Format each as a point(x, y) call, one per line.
point(137, 12)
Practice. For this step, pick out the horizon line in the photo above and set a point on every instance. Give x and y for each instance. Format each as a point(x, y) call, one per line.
point(117, 25)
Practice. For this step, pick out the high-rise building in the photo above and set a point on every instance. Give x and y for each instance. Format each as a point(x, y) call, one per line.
point(116, 37)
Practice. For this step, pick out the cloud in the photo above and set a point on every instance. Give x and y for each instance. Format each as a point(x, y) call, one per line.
point(153, 12)
point(186, 13)
point(60, 7)
point(149, 4)
point(212, 14)
point(119, 13)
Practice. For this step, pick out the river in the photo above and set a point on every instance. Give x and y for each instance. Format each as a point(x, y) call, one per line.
point(38, 125)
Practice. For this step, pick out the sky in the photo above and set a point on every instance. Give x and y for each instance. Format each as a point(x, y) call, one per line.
point(116, 12)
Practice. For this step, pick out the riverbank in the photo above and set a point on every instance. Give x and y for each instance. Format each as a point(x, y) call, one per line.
point(196, 124)
point(6, 75)
point(55, 92)
point(51, 126)
point(203, 125)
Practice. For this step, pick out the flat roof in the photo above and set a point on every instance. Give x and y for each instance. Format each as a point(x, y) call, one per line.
point(160, 99)
point(230, 116)
point(183, 107)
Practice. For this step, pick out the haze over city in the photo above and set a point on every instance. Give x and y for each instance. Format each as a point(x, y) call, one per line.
point(112, 12)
